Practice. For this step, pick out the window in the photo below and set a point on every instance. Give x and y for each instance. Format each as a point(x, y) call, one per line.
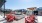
point(35, 12)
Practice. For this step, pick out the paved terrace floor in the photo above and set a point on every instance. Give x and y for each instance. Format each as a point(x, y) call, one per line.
point(20, 21)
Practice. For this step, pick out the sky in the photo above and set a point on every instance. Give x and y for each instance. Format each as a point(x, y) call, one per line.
point(22, 4)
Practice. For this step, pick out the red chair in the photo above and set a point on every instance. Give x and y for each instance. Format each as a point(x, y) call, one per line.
point(10, 17)
point(30, 19)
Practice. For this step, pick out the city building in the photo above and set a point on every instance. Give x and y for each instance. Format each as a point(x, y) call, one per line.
point(39, 11)
point(30, 10)
point(22, 11)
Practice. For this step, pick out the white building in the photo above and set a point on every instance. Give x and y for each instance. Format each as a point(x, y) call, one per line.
point(30, 10)
point(39, 11)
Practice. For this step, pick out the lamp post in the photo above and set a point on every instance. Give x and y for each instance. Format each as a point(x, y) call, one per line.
point(4, 8)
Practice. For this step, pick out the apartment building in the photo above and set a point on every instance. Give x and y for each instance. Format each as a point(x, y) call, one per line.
point(39, 11)
point(30, 10)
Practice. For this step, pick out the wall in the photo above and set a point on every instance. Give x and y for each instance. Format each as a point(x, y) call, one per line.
point(40, 12)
